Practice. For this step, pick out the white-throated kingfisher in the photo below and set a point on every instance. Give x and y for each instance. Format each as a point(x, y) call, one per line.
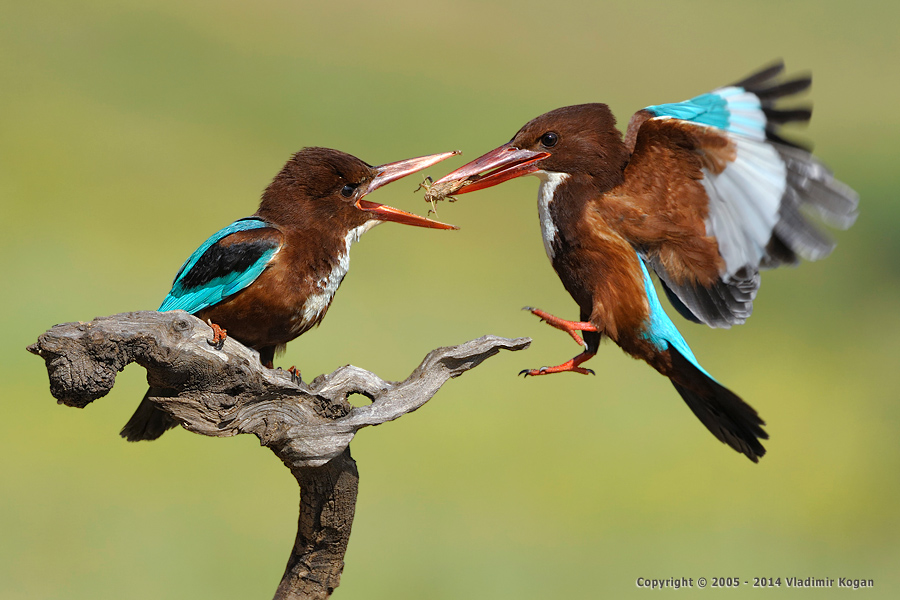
point(705, 193)
point(269, 278)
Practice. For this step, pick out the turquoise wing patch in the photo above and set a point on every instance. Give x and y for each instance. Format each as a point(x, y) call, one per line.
point(212, 272)
point(732, 109)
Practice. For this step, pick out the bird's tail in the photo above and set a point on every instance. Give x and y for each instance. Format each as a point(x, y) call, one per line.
point(730, 419)
point(149, 421)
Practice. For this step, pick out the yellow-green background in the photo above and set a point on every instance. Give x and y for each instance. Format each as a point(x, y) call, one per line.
point(129, 131)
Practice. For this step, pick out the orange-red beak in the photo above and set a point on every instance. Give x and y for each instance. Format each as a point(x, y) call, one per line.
point(392, 172)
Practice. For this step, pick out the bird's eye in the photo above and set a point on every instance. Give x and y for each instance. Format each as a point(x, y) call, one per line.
point(348, 190)
point(549, 139)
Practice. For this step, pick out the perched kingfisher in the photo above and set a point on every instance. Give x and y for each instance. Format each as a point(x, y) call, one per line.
point(705, 193)
point(269, 278)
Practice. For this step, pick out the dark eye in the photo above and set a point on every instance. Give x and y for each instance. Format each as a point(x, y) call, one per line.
point(348, 190)
point(549, 139)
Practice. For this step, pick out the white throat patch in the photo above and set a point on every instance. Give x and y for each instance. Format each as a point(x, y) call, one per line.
point(317, 303)
point(549, 182)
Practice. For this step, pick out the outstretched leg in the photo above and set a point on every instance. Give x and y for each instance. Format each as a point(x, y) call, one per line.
point(570, 365)
point(570, 327)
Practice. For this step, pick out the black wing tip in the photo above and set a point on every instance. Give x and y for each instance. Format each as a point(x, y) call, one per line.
point(778, 116)
point(766, 80)
point(773, 135)
point(764, 74)
point(767, 85)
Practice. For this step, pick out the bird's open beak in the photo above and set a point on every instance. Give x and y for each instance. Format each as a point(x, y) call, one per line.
point(392, 172)
point(505, 163)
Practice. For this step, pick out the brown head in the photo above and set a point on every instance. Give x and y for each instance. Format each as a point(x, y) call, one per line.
point(325, 188)
point(576, 140)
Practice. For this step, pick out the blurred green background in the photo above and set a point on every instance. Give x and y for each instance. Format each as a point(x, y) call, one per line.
point(129, 131)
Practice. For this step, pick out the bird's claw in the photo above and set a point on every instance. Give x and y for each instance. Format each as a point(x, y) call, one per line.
point(564, 368)
point(533, 372)
point(219, 336)
point(294, 373)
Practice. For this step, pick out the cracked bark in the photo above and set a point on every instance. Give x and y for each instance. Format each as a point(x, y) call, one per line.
point(228, 392)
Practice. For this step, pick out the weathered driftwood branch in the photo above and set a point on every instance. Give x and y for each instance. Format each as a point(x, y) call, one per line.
point(227, 392)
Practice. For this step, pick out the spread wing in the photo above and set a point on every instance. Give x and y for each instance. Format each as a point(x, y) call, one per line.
point(230, 260)
point(717, 168)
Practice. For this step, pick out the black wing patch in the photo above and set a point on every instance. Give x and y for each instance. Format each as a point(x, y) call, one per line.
point(220, 260)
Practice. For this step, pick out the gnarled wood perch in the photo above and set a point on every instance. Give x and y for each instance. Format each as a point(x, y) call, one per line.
point(227, 392)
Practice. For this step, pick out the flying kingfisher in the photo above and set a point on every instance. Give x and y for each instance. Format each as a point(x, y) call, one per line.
point(705, 193)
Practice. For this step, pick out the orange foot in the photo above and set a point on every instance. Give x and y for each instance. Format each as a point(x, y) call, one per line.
point(570, 327)
point(570, 365)
point(219, 336)
point(295, 375)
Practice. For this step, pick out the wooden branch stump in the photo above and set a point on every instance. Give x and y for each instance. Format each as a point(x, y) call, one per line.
point(226, 392)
